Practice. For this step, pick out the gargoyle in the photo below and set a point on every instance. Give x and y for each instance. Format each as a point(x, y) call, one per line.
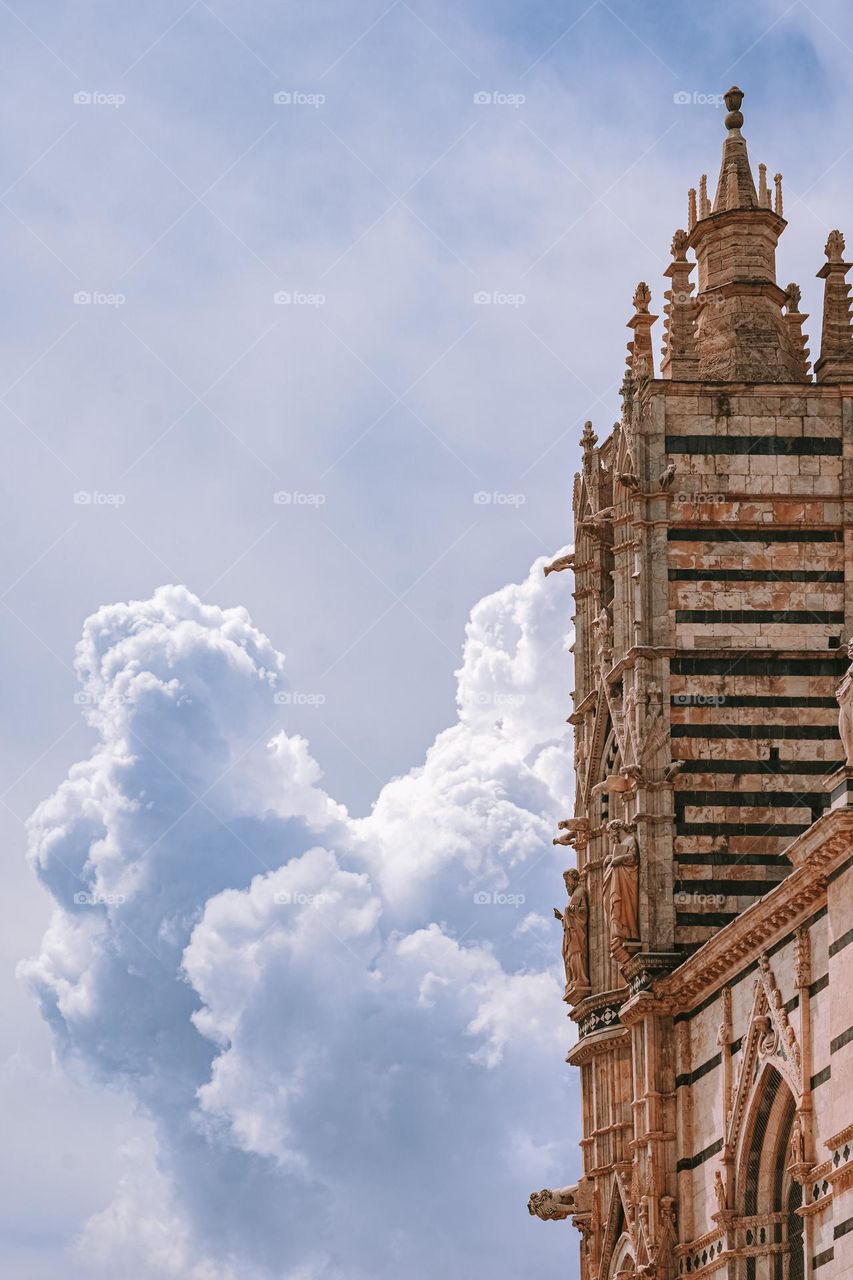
point(561, 563)
point(553, 1206)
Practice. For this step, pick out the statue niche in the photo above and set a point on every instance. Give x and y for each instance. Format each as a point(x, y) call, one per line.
point(622, 887)
point(575, 921)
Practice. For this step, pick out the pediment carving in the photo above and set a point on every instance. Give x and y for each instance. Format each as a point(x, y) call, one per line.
point(770, 1039)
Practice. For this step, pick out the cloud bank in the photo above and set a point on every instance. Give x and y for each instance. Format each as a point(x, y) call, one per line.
point(347, 1033)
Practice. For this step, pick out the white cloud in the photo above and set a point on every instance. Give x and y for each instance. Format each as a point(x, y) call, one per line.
point(344, 1015)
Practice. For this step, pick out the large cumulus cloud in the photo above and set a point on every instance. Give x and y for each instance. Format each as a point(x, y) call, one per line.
point(346, 1033)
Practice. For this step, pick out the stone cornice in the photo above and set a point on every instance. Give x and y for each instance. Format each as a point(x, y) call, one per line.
point(585, 1050)
point(814, 854)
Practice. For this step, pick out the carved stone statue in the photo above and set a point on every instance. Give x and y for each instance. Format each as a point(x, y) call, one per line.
point(797, 1150)
point(575, 922)
point(720, 1192)
point(844, 694)
point(621, 883)
point(793, 297)
point(603, 637)
point(561, 563)
point(552, 1206)
point(835, 246)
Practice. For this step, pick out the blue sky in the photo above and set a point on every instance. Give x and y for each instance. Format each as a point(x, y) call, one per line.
point(382, 198)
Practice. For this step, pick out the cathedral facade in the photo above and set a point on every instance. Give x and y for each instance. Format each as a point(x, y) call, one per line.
point(708, 922)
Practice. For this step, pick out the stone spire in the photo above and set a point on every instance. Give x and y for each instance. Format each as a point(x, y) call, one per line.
point(735, 187)
point(640, 358)
point(679, 349)
point(741, 332)
point(794, 321)
point(836, 344)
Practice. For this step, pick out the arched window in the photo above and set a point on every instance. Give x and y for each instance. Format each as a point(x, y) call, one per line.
point(770, 1195)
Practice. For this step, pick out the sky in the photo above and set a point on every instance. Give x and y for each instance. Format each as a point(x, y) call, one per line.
point(305, 307)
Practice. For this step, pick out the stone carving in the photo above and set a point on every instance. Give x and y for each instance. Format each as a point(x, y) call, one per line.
point(621, 883)
point(588, 440)
point(553, 1206)
point(603, 637)
point(561, 563)
point(797, 1148)
point(844, 694)
point(642, 297)
point(667, 475)
point(779, 1027)
point(596, 520)
point(575, 921)
point(803, 958)
point(835, 246)
point(678, 248)
point(720, 1193)
point(575, 832)
point(793, 296)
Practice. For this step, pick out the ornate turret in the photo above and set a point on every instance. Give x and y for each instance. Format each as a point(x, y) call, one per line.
point(836, 344)
point(741, 334)
point(713, 815)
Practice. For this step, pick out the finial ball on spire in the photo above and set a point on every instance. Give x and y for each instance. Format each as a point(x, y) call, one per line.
point(733, 99)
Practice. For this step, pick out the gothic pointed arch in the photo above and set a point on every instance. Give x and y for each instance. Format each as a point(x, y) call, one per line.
point(619, 1247)
point(770, 1042)
point(768, 1195)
